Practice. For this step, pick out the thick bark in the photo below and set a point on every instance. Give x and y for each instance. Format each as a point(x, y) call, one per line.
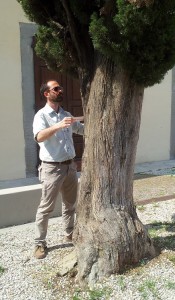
point(108, 233)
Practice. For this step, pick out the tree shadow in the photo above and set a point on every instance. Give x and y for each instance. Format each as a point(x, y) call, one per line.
point(157, 230)
point(173, 218)
point(160, 242)
point(143, 176)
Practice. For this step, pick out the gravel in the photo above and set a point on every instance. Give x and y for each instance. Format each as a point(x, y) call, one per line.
point(25, 277)
point(22, 277)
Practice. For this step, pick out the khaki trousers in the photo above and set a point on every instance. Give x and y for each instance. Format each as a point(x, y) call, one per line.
point(56, 178)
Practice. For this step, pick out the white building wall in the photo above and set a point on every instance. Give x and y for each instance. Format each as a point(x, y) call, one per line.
point(154, 141)
point(12, 161)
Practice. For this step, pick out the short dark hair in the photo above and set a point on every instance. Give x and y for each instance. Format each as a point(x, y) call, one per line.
point(44, 87)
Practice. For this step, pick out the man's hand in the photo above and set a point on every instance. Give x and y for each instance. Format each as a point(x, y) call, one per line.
point(48, 132)
point(66, 122)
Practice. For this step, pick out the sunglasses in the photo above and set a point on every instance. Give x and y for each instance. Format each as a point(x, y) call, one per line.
point(56, 89)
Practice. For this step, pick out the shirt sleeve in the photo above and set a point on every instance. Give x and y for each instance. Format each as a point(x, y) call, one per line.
point(39, 123)
point(78, 128)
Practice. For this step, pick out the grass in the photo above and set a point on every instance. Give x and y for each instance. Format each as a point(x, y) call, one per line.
point(170, 285)
point(141, 207)
point(148, 287)
point(96, 294)
point(171, 257)
point(155, 205)
point(121, 283)
point(160, 226)
point(2, 270)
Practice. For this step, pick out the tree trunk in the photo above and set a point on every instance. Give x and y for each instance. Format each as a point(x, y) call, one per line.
point(108, 234)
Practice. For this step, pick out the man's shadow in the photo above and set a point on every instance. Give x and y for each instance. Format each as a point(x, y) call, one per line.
point(60, 246)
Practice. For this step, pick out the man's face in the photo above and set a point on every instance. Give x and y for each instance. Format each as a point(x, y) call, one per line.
point(55, 92)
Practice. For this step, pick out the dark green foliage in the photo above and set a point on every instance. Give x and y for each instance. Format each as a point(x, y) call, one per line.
point(140, 39)
point(51, 48)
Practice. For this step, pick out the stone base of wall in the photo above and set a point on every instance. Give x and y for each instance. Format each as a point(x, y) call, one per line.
point(18, 205)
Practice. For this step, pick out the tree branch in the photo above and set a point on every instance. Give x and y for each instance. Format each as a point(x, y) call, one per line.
point(108, 7)
point(73, 30)
point(58, 25)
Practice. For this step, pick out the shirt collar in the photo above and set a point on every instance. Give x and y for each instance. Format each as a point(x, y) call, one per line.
point(48, 109)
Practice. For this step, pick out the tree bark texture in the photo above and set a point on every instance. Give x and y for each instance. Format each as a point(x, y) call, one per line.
point(108, 234)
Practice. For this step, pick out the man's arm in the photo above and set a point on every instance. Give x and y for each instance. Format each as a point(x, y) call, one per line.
point(46, 133)
point(78, 128)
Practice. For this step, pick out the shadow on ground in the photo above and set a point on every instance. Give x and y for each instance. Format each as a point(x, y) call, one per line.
point(159, 234)
point(144, 176)
point(61, 246)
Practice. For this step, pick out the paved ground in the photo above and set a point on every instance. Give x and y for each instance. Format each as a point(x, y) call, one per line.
point(154, 182)
point(152, 188)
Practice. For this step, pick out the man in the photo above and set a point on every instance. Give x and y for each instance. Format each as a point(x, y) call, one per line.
point(52, 128)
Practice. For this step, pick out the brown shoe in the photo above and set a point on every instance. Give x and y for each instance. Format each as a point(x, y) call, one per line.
point(40, 251)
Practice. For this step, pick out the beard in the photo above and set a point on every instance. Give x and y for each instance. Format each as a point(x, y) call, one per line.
point(58, 99)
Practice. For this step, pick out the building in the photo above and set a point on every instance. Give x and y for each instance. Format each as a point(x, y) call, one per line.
point(21, 73)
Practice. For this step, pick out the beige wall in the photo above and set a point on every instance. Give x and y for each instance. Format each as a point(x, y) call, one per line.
point(154, 141)
point(12, 164)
